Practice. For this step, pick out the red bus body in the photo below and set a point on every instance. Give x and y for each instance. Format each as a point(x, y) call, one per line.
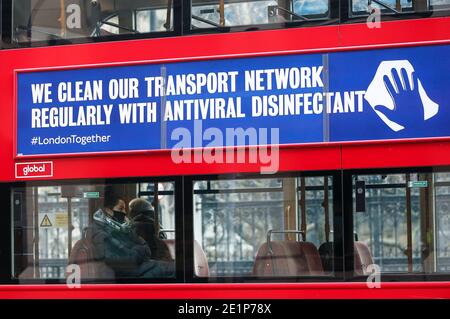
point(324, 156)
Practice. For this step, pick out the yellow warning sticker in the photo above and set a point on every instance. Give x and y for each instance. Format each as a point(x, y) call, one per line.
point(54, 220)
point(46, 222)
point(61, 220)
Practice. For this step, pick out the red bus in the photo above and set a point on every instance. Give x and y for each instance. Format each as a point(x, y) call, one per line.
point(265, 140)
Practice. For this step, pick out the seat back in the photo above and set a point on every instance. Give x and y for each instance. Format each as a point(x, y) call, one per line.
point(287, 258)
point(170, 243)
point(201, 268)
point(326, 251)
point(363, 258)
point(82, 254)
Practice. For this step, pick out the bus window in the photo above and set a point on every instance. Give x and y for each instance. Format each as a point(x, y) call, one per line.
point(267, 227)
point(64, 21)
point(363, 7)
point(94, 230)
point(442, 206)
point(404, 224)
point(440, 4)
point(164, 200)
point(256, 12)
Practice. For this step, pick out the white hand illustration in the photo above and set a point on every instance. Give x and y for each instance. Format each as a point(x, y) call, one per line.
point(392, 89)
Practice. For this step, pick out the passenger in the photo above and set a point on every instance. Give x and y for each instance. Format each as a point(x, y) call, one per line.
point(118, 211)
point(118, 245)
point(162, 234)
point(143, 221)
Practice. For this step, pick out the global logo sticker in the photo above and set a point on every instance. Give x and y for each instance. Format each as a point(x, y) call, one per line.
point(34, 169)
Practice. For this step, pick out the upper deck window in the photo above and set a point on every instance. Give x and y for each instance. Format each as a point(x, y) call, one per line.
point(44, 22)
point(206, 14)
point(49, 20)
point(364, 7)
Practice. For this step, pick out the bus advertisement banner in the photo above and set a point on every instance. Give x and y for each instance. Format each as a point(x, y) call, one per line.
point(304, 98)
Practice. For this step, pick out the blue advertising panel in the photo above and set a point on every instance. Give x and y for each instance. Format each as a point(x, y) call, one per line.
point(406, 93)
point(291, 99)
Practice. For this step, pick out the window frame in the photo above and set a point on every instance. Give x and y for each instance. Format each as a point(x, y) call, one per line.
point(8, 43)
point(331, 17)
point(337, 275)
point(348, 17)
point(6, 259)
point(342, 219)
point(349, 218)
point(339, 13)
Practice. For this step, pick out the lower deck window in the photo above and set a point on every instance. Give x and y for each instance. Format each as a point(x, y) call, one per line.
point(109, 231)
point(272, 227)
point(403, 223)
point(284, 227)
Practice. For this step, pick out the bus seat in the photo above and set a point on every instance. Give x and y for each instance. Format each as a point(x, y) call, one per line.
point(327, 255)
point(288, 258)
point(83, 256)
point(170, 243)
point(200, 261)
point(363, 258)
point(201, 268)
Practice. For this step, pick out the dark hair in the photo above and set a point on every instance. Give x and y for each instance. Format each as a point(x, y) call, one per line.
point(140, 206)
point(111, 197)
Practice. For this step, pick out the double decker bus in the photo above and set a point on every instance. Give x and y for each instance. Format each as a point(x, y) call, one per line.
point(288, 149)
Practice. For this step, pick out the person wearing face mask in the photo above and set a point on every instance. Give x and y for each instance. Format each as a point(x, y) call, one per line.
point(117, 244)
point(118, 211)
